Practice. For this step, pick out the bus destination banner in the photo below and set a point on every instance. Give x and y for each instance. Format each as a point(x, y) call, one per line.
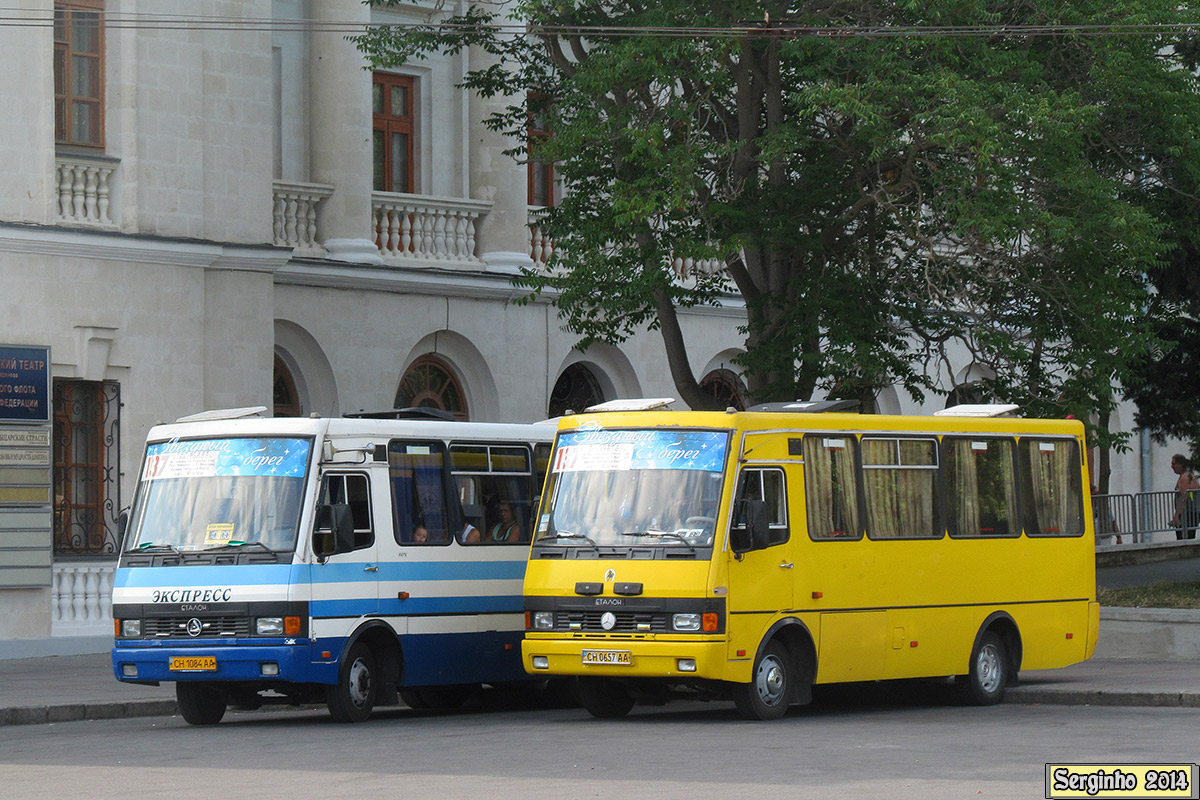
point(24, 384)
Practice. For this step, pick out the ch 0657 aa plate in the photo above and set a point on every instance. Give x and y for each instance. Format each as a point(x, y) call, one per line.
point(619, 657)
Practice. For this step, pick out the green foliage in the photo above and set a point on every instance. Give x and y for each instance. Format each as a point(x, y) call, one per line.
point(882, 203)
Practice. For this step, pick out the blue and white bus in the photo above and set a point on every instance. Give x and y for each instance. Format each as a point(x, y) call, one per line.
point(344, 561)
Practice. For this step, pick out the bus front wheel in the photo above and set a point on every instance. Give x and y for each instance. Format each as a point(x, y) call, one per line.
point(769, 693)
point(353, 696)
point(604, 697)
point(199, 704)
point(984, 684)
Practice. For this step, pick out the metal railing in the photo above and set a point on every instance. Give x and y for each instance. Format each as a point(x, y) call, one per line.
point(1136, 518)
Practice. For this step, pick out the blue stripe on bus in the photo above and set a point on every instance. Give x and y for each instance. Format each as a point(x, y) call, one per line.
point(282, 574)
point(227, 575)
point(416, 606)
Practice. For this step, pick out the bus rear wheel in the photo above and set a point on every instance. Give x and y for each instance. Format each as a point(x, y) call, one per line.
point(441, 698)
point(984, 684)
point(353, 696)
point(604, 698)
point(199, 704)
point(769, 694)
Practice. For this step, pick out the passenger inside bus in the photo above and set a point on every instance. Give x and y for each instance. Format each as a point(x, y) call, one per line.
point(507, 528)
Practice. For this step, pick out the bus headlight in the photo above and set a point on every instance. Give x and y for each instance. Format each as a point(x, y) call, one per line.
point(543, 620)
point(686, 622)
point(269, 626)
point(131, 627)
point(541, 662)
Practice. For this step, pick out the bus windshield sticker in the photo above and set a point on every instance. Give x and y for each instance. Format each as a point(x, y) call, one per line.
point(280, 458)
point(607, 450)
point(218, 533)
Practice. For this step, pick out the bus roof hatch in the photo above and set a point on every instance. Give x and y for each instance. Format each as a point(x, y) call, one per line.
point(978, 410)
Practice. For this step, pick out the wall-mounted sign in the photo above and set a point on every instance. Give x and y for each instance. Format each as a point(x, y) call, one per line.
point(24, 384)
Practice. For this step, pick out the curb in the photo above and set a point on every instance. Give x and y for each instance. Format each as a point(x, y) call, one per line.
point(74, 712)
point(1100, 697)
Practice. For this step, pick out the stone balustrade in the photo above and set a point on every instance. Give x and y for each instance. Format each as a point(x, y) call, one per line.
point(413, 228)
point(85, 189)
point(81, 598)
point(541, 246)
point(294, 215)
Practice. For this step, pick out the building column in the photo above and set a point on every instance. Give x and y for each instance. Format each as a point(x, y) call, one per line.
point(341, 134)
point(503, 236)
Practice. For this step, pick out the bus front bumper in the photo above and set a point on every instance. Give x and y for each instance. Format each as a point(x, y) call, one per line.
point(226, 661)
point(640, 658)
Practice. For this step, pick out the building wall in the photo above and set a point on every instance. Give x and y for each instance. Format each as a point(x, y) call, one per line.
point(183, 297)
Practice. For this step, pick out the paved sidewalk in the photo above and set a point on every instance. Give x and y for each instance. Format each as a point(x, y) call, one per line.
point(63, 688)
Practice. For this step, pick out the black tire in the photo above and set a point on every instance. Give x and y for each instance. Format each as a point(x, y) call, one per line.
point(353, 696)
point(414, 699)
point(984, 684)
point(770, 692)
point(199, 703)
point(440, 698)
point(604, 698)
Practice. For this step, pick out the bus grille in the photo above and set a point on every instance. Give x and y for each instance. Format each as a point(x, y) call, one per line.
point(176, 627)
point(627, 621)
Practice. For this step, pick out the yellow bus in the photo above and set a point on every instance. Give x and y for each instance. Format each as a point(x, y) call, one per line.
point(755, 554)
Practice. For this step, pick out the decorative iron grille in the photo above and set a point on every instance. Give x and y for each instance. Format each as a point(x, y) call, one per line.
point(87, 471)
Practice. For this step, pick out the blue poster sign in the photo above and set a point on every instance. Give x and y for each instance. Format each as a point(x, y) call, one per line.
point(24, 384)
point(210, 458)
point(656, 448)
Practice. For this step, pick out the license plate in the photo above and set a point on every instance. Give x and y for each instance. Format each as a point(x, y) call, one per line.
point(193, 664)
point(622, 657)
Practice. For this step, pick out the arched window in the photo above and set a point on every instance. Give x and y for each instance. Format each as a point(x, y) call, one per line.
point(287, 399)
point(726, 387)
point(967, 394)
point(429, 383)
point(575, 390)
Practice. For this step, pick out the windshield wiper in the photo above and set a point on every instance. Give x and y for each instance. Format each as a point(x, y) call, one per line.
point(570, 535)
point(237, 544)
point(148, 546)
point(663, 535)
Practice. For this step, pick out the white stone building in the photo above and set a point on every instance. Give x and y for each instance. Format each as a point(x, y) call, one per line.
point(206, 204)
point(203, 208)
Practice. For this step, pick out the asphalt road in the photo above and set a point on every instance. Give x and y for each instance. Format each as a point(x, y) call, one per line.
point(898, 743)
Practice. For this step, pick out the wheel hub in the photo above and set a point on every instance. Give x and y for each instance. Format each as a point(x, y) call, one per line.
point(360, 683)
point(770, 681)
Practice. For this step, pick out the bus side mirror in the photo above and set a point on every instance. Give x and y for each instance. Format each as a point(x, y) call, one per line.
point(749, 531)
point(334, 531)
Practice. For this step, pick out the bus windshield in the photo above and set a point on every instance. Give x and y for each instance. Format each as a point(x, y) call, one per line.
point(623, 488)
point(213, 494)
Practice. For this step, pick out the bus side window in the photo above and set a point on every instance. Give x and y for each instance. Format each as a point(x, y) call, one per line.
point(831, 487)
point(767, 485)
point(900, 488)
point(352, 490)
point(981, 486)
point(494, 487)
point(425, 507)
point(1051, 487)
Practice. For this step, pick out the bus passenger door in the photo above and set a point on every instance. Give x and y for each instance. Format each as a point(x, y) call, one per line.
point(345, 583)
point(762, 567)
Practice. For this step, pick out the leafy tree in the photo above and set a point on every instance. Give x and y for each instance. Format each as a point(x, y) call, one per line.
point(881, 183)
